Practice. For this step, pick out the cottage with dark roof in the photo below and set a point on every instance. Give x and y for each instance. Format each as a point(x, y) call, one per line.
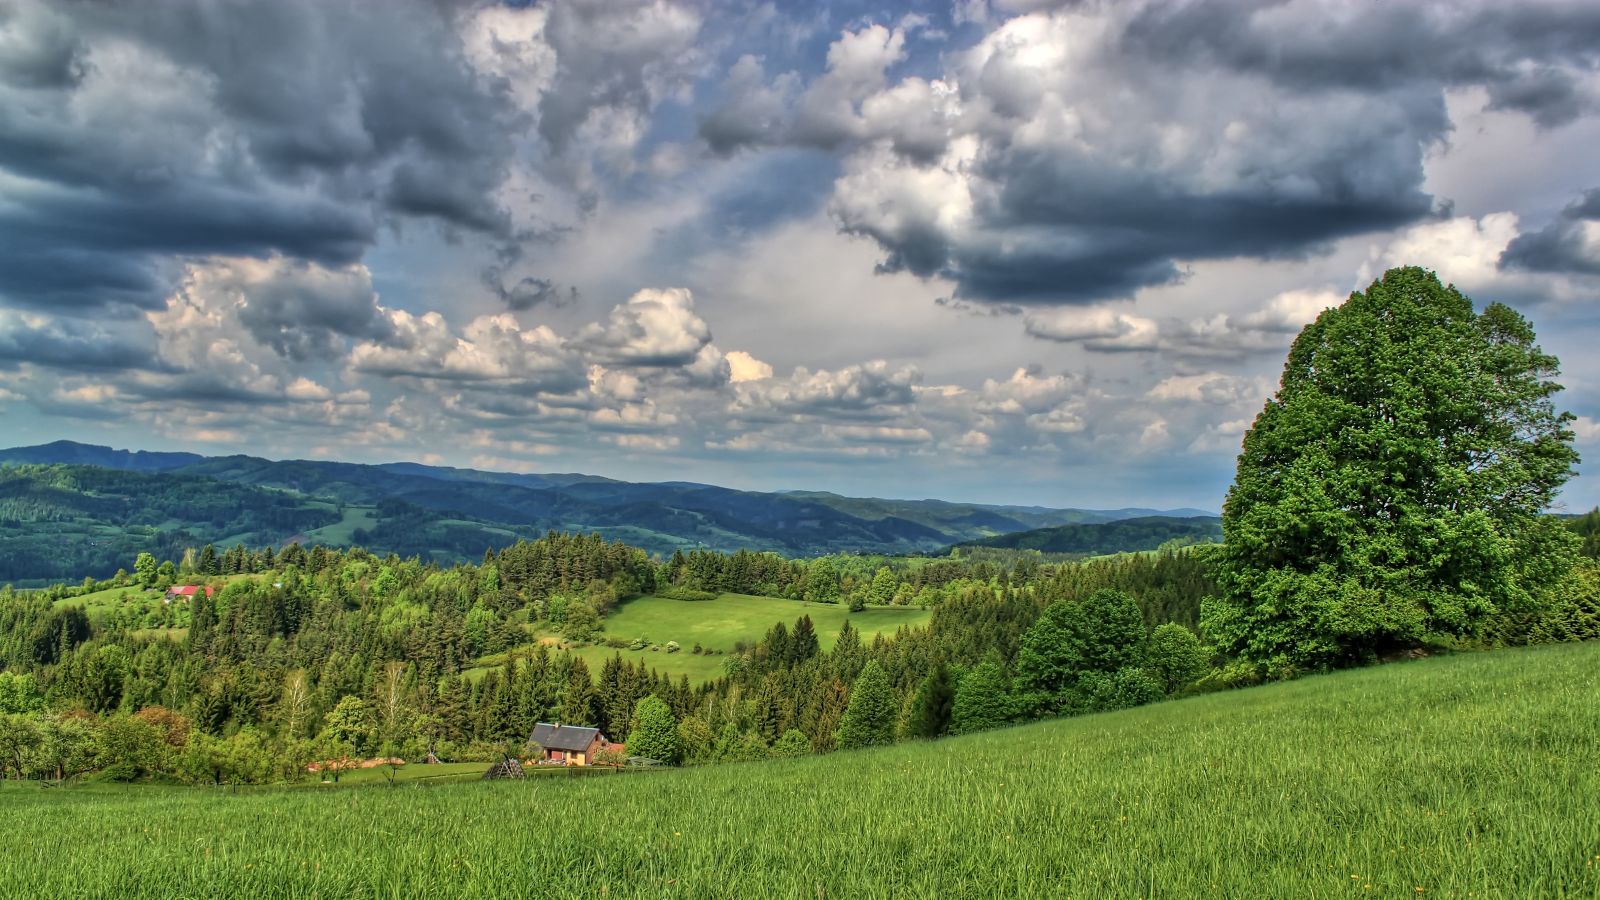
point(568, 745)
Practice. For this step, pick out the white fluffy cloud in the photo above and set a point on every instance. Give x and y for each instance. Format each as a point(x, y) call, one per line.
point(654, 328)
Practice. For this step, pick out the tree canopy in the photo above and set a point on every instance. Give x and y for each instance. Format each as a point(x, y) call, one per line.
point(1393, 487)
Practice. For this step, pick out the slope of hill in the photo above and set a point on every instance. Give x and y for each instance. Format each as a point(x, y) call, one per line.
point(1468, 775)
point(451, 513)
point(1144, 533)
point(63, 522)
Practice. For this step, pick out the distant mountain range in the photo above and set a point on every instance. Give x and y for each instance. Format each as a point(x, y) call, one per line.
point(450, 513)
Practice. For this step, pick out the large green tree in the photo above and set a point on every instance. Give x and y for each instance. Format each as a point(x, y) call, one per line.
point(1103, 632)
point(1394, 486)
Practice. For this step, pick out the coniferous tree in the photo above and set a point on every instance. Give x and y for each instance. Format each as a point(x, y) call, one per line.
point(933, 705)
point(983, 698)
point(869, 719)
point(803, 642)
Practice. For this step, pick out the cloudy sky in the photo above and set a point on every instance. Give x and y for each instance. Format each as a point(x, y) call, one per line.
point(995, 250)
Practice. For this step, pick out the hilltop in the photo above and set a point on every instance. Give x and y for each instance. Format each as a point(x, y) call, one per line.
point(1458, 776)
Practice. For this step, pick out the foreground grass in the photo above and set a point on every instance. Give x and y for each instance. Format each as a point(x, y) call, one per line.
point(1472, 775)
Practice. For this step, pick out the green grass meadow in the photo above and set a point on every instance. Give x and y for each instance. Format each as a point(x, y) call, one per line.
point(1464, 776)
point(342, 532)
point(718, 625)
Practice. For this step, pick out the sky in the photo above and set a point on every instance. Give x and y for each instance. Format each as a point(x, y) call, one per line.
point(1010, 251)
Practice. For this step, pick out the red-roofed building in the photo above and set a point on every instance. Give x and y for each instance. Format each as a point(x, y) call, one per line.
point(185, 593)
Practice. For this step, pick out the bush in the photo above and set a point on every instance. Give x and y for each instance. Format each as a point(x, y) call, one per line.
point(672, 647)
point(1175, 656)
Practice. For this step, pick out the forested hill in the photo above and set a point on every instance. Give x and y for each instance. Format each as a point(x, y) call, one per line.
point(445, 514)
point(1091, 538)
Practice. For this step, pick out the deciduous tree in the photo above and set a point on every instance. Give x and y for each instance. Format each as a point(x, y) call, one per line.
point(655, 732)
point(1394, 485)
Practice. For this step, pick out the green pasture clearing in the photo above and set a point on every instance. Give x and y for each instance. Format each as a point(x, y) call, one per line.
point(699, 668)
point(109, 599)
point(342, 532)
point(718, 624)
point(172, 634)
point(1470, 775)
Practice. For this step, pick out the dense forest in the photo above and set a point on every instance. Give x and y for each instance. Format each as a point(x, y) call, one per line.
point(305, 655)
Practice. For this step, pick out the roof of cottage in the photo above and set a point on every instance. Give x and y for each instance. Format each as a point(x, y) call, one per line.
point(564, 737)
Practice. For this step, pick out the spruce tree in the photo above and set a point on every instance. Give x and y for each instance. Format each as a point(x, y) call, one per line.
point(869, 719)
point(983, 698)
point(933, 705)
point(803, 640)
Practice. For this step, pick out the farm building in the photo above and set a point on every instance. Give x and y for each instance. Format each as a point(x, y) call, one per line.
point(569, 745)
point(185, 593)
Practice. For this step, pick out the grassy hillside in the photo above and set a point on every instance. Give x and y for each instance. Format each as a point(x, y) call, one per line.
point(63, 522)
point(1471, 775)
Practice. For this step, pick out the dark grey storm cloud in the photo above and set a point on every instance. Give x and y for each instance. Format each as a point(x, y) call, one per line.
point(80, 346)
point(1075, 230)
point(1522, 53)
point(303, 313)
point(529, 292)
point(1098, 150)
point(1569, 244)
point(138, 134)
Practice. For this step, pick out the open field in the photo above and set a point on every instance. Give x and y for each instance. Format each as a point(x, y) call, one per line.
point(110, 598)
point(719, 625)
point(1470, 775)
point(342, 532)
point(699, 668)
